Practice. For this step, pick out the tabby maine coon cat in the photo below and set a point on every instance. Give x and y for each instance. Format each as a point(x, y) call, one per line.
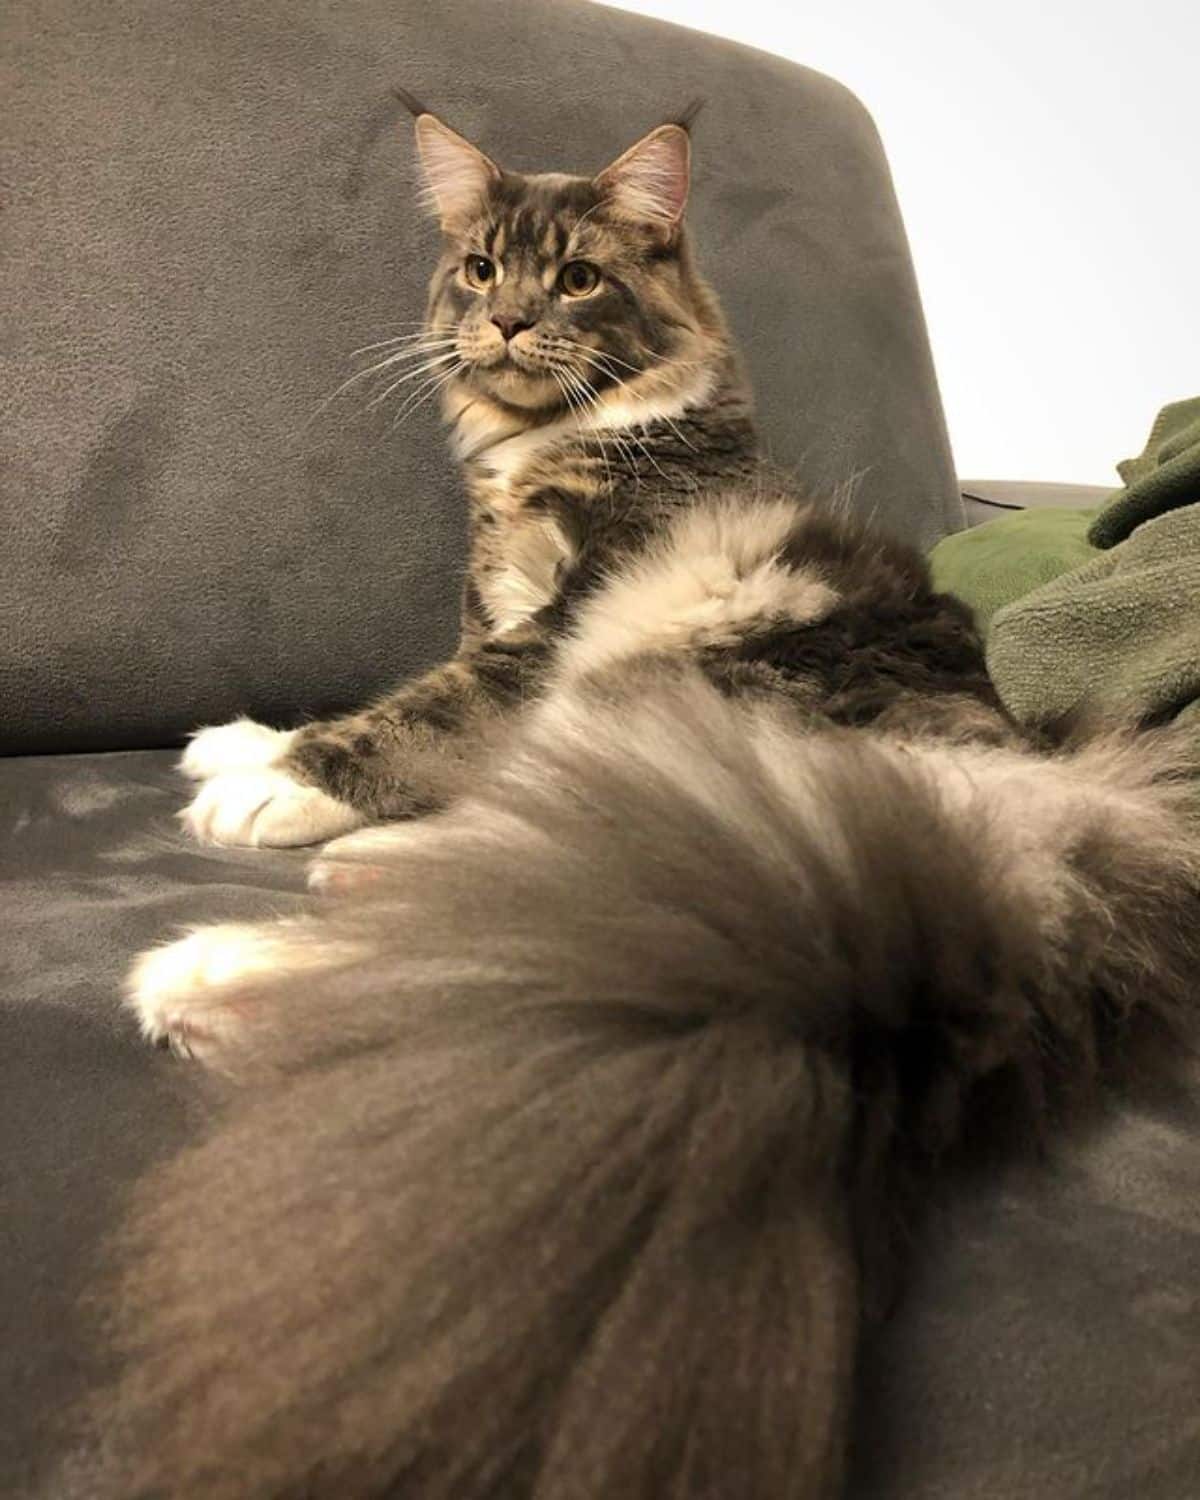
point(577, 1130)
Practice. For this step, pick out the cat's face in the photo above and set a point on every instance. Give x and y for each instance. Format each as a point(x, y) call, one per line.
point(557, 289)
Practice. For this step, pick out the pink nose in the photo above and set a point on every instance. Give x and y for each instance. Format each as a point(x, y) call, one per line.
point(510, 326)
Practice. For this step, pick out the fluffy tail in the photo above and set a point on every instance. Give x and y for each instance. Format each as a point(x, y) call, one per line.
point(571, 1186)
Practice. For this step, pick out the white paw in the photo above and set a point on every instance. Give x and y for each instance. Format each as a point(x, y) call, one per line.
point(173, 990)
point(242, 745)
point(265, 809)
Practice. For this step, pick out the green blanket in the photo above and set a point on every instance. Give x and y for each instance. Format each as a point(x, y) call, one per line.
point(1102, 605)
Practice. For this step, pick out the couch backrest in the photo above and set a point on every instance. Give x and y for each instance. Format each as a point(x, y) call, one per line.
point(208, 206)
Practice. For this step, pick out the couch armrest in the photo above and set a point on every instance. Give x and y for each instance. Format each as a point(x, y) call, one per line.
point(986, 499)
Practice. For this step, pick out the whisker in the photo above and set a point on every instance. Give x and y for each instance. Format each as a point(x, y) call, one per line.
point(634, 437)
point(427, 385)
point(586, 349)
point(566, 395)
point(347, 384)
point(408, 375)
point(662, 359)
point(431, 387)
point(384, 364)
point(598, 359)
point(578, 403)
point(418, 323)
point(617, 435)
point(416, 347)
point(590, 358)
point(402, 338)
point(573, 346)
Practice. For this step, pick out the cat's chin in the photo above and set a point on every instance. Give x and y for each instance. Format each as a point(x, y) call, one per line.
point(527, 389)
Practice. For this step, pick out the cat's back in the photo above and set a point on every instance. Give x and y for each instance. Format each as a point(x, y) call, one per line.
point(887, 649)
point(775, 595)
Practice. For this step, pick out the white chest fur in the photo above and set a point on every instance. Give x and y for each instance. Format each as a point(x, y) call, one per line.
point(526, 551)
point(530, 551)
point(529, 561)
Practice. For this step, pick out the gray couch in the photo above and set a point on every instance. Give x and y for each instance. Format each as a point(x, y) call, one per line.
point(205, 208)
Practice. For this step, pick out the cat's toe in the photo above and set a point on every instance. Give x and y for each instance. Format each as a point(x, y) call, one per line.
point(328, 877)
point(361, 858)
point(265, 809)
point(241, 745)
point(171, 989)
point(334, 873)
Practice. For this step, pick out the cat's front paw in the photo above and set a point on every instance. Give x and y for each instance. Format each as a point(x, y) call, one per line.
point(265, 809)
point(241, 745)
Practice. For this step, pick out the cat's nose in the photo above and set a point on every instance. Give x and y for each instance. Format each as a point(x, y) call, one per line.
point(510, 326)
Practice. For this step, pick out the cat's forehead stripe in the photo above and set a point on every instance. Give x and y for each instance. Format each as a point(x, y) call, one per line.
point(537, 215)
point(553, 240)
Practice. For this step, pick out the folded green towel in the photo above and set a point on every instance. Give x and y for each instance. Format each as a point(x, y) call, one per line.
point(1165, 474)
point(1123, 631)
point(1102, 606)
point(991, 565)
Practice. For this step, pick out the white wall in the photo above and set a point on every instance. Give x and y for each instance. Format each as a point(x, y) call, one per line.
point(1047, 160)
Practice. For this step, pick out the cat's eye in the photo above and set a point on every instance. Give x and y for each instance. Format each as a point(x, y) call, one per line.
point(480, 272)
point(578, 278)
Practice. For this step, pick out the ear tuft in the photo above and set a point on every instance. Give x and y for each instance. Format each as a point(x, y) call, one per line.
point(409, 101)
point(686, 117)
point(648, 184)
point(458, 175)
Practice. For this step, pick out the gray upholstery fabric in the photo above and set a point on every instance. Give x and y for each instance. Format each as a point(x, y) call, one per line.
point(92, 869)
point(1049, 1346)
point(207, 207)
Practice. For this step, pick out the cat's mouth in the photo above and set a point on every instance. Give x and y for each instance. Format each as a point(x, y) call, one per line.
point(511, 356)
point(517, 377)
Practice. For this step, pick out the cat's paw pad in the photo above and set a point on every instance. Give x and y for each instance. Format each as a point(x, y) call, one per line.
point(172, 990)
point(241, 745)
point(265, 809)
point(357, 859)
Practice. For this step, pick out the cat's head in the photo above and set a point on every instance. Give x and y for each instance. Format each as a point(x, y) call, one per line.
point(556, 292)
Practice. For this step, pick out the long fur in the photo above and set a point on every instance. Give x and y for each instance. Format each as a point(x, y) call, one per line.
point(573, 1146)
point(576, 1186)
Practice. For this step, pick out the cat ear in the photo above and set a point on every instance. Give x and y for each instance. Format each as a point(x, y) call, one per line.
point(458, 175)
point(648, 184)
